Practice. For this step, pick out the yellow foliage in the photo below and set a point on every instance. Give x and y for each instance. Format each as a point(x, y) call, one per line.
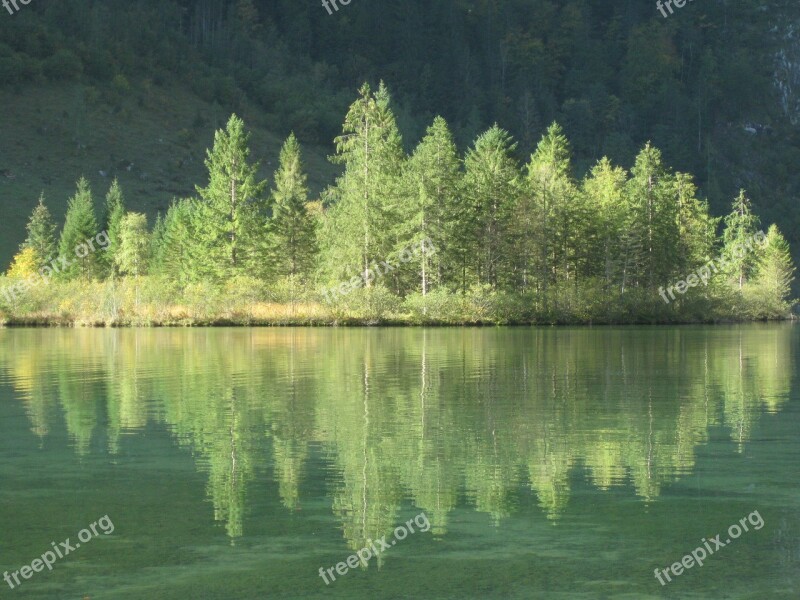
point(23, 265)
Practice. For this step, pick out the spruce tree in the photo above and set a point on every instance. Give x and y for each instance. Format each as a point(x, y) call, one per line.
point(291, 237)
point(490, 190)
point(232, 205)
point(41, 235)
point(80, 225)
point(653, 225)
point(737, 240)
point(604, 190)
point(430, 181)
point(359, 228)
point(133, 251)
point(547, 228)
point(774, 272)
point(179, 253)
point(112, 220)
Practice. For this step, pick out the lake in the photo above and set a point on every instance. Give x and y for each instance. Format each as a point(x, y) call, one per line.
point(502, 462)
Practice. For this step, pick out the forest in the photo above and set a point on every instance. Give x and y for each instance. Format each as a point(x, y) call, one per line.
point(498, 241)
point(713, 87)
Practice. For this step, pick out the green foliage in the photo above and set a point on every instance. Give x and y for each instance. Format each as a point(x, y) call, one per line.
point(774, 274)
point(80, 225)
point(417, 239)
point(740, 227)
point(112, 220)
point(359, 227)
point(41, 235)
point(430, 183)
point(490, 190)
point(133, 250)
point(231, 211)
point(291, 232)
point(176, 249)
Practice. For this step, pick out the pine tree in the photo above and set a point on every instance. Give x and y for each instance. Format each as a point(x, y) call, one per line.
point(232, 207)
point(112, 219)
point(604, 190)
point(548, 212)
point(490, 189)
point(654, 221)
point(696, 226)
point(80, 226)
point(431, 181)
point(178, 250)
point(291, 237)
point(359, 227)
point(133, 251)
point(774, 272)
point(41, 235)
point(737, 240)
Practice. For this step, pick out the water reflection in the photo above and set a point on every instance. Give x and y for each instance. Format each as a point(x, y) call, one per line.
point(431, 416)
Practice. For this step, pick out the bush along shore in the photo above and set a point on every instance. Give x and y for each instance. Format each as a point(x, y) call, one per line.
point(244, 301)
point(434, 237)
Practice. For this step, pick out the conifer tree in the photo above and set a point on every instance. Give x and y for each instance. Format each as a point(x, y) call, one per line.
point(359, 227)
point(291, 240)
point(178, 250)
point(774, 272)
point(41, 235)
point(737, 240)
point(112, 220)
point(490, 189)
point(232, 208)
point(654, 223)
point(431, 180)
point(604, 190)
point(549, 211)
point(133, 251)
point(80, 225)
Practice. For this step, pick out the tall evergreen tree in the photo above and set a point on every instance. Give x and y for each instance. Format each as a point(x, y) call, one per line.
point(177, 253)
point(653, 225)
point(549, 212)
point(359, 227)
point(431, 181)
point(737, 237)
point(232, 207)
point(80, 225)
point(490, 189)
point(133, 252)
point(775, 272)
point(604, 190)
point(41, 235)
point(291, 235)
point(112, 220)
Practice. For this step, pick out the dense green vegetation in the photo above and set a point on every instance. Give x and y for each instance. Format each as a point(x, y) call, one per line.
point(495, 241)
point(704, 85)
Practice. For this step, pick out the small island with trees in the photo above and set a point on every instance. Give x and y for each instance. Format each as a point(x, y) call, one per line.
point(501, 242)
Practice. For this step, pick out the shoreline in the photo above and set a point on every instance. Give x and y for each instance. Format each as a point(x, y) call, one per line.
point(51, 323)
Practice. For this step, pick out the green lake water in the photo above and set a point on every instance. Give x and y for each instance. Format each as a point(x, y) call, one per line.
point(548, 463)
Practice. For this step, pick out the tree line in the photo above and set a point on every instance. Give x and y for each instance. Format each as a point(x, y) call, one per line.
point(522, 242)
